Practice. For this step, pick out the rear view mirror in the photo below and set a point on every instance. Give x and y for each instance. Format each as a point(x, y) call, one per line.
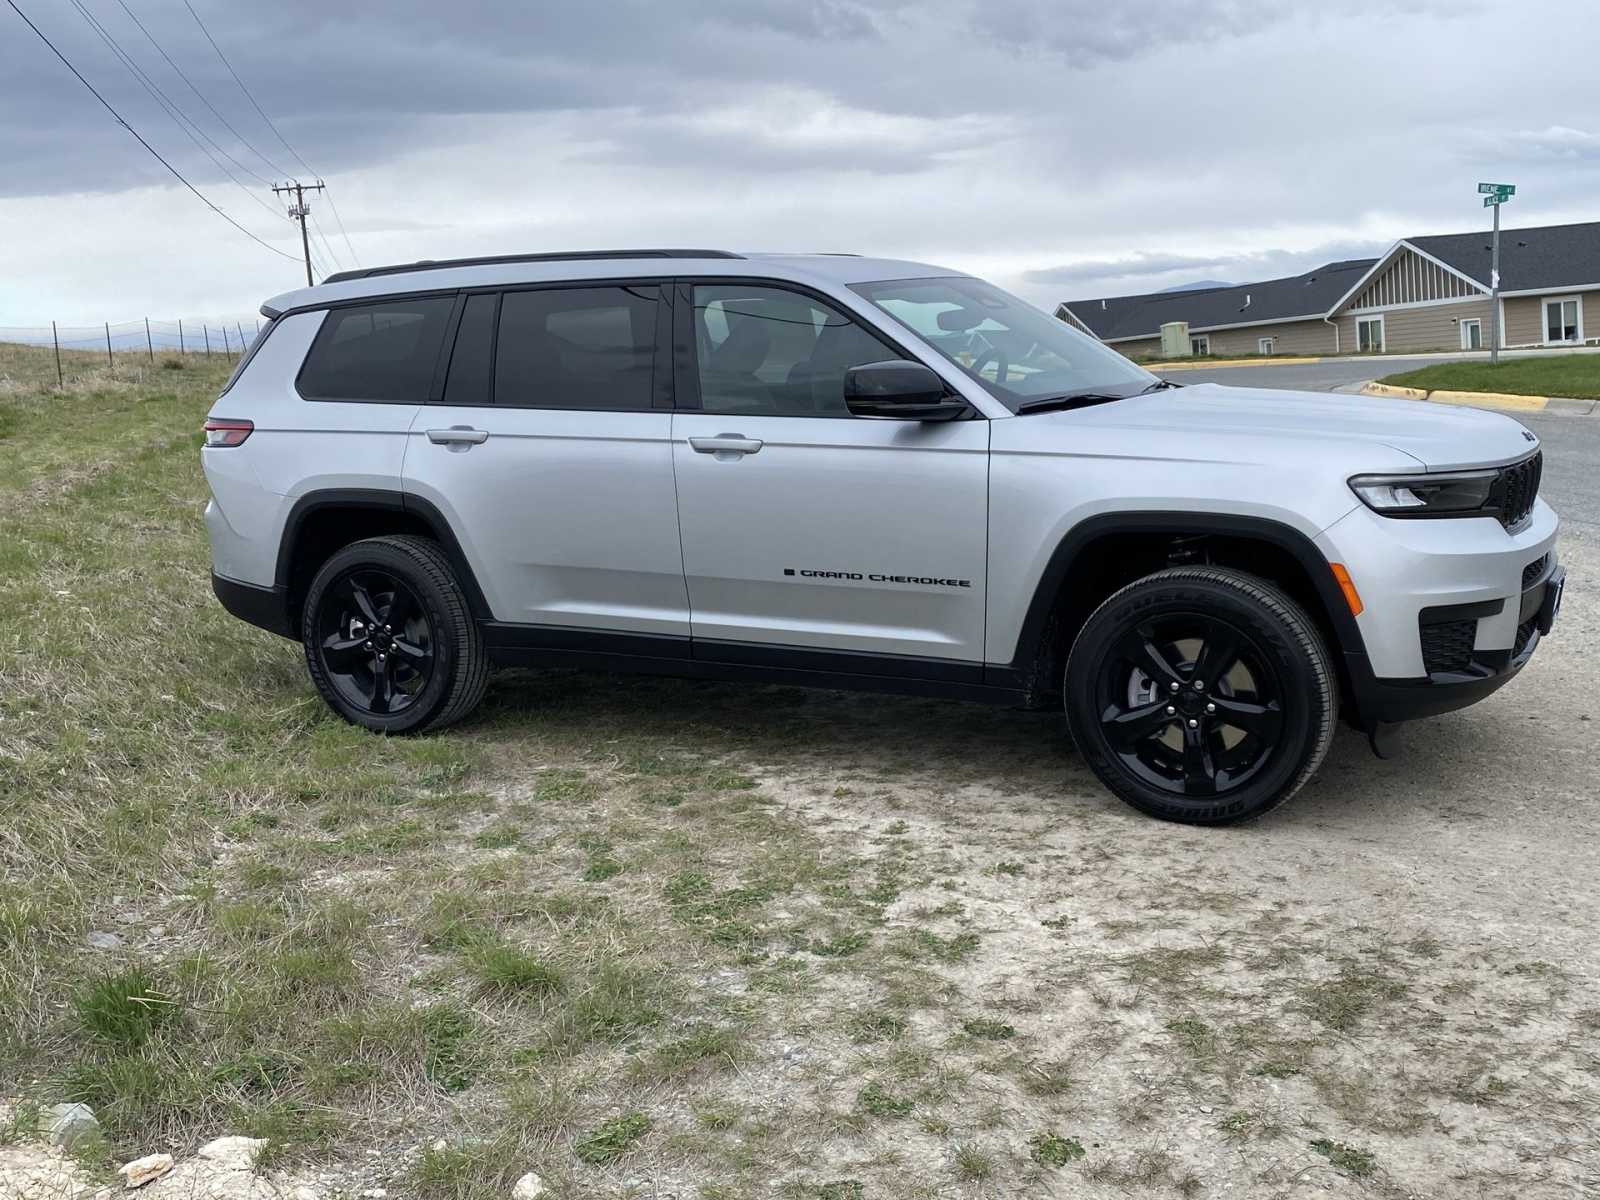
point(900, 389)
point(959, 320)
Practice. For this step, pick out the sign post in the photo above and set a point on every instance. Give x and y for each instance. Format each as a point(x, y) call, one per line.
point(1494, 195)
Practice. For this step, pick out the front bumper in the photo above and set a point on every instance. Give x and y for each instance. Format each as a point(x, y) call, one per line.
point(1453, 608)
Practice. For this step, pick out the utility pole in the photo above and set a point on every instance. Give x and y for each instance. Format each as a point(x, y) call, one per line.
point(300, 210)
point(1494, 195)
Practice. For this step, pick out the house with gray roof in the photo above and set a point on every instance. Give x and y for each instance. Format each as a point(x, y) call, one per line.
point(1424, 293)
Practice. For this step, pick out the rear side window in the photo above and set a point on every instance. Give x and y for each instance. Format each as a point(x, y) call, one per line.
point(377, 352)
point(577, 348)
point(468, 382)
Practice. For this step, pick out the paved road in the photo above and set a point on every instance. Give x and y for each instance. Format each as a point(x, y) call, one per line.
point(1322, 376)
point(1571, 444)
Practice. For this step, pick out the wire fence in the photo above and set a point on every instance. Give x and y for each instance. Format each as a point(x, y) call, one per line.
point(60, 356)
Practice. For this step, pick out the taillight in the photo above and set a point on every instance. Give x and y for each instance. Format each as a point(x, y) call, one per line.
point(223, 432)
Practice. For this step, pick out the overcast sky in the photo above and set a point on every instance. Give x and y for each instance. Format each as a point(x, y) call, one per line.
point(1064, 148)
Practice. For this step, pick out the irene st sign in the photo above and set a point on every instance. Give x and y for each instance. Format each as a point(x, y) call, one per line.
point(1503, 189)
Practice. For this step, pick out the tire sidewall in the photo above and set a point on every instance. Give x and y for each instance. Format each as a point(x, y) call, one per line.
point(1303, 699)
point(437, 693)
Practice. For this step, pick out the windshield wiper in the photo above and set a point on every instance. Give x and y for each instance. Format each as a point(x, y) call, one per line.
point(1070, 400)
point(1158, 385)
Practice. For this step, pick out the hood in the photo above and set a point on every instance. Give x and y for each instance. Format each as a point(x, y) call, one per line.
point(1441, 437)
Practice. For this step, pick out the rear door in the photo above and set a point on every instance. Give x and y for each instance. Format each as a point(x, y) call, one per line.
point(813, 538)
point(549, 451)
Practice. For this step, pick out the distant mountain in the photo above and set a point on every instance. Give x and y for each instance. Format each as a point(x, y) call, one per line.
point(1197, 286)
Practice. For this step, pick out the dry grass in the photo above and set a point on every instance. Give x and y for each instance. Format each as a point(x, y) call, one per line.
point(708, 939)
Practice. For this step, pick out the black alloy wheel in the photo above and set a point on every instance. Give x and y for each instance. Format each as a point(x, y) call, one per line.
point(1201, 694)
point(375, 641)
point(389, 637)
point(1190, 704)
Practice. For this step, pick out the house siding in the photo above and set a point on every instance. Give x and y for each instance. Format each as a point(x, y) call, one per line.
point(1525, 317)
point(1291, 337)
point(1430, 327)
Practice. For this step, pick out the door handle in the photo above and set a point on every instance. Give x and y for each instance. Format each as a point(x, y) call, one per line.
point(458, 435)
point(725, 443)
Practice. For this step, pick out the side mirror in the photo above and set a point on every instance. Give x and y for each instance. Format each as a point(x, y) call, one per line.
point(899, 389)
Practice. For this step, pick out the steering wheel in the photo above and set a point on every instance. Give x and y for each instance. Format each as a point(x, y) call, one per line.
point(1002, 363)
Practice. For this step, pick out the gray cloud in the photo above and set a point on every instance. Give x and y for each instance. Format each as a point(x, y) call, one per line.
point(1153, 272)
point(1059, 145)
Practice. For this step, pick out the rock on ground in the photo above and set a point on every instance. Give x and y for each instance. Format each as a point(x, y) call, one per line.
point(145, 1170)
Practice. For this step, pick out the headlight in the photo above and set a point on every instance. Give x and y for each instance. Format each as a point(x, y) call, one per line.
point(1455, 493)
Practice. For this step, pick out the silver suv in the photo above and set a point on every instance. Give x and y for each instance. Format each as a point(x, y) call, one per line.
point(857, 473)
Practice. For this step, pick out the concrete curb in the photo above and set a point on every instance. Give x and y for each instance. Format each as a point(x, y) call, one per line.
point(1259, 361)
point(1503, 401)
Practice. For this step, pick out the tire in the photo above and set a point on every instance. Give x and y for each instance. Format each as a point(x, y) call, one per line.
point(1203, 695)
point(433, 669)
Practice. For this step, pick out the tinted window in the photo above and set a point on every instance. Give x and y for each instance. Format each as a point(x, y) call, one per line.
point(377, 352)
point(468, 382)
point(577, 348)
point(768, 351)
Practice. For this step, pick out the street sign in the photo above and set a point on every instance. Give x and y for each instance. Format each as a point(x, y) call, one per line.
point(1495, 200)
point(1488, 189)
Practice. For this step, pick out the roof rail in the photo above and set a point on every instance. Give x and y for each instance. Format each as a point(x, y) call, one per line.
point(439, 264)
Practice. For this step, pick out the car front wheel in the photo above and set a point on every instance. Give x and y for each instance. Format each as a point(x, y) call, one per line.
point(389, 639)
point(1202, 695)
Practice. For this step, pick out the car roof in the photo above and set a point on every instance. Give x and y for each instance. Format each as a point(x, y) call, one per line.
point(508, 270)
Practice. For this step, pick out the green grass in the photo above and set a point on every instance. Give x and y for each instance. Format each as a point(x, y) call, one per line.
point(599, 903)
point(1574, 375)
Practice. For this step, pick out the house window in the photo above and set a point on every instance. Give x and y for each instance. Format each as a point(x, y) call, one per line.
point(1369, 335)
point(1264, 345)
point(1563, 319)
point(1200, 344)
point(1472, 334)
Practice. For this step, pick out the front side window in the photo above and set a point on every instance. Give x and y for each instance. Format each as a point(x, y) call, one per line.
point(766, 351)
point(577, 348)
point(1561, 321)
point(1369, 335)
point(1200, 345)
point(382, 352)
point(1015, 351)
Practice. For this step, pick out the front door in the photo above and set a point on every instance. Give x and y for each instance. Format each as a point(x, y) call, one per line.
point(806, 529)
point(1472, 335)
point(549, 451)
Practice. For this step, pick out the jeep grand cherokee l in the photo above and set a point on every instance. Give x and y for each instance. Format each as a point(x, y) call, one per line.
point(857, 473)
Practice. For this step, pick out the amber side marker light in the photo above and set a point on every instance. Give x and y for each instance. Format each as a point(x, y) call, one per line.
point(1348, 587)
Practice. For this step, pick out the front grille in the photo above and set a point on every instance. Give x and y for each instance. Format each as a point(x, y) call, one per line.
point(1447, 646)
point(1517, 488)
point(1533, 570)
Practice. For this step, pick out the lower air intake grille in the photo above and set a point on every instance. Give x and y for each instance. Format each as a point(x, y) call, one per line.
point(1447, 646)
point(1533, 570)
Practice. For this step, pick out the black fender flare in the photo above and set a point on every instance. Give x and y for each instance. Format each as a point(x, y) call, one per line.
point(1155, 521)
point(392, 501)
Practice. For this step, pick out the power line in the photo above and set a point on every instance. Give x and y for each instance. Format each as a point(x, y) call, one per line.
point(278, 133)
point(347, 243)
point(226, 124)
point(175, 114)
point(327, 246)
point(152, 150)
point(246, 90)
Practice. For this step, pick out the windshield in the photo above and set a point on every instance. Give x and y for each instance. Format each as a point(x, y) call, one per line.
point(1017, 352)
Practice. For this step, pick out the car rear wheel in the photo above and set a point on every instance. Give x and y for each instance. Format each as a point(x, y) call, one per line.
point(389, 639)
point(1202, 695)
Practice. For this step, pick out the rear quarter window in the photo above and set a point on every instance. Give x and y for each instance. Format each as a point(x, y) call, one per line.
point(378, 353)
